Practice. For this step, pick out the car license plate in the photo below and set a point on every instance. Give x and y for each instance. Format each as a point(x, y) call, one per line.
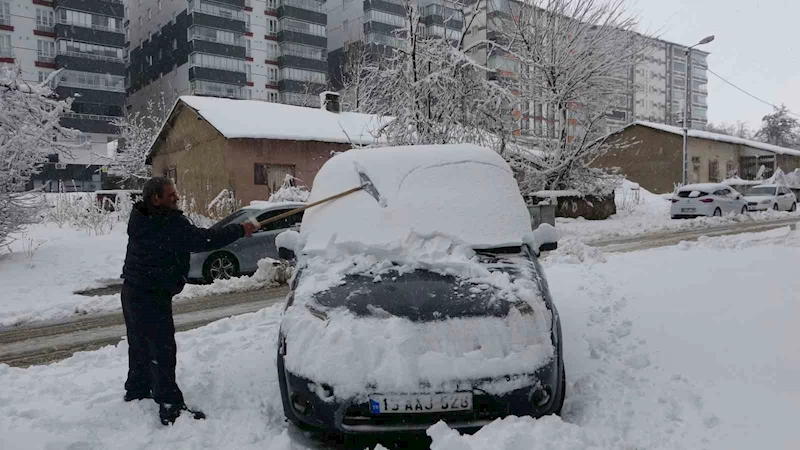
point(688, 210)
point(420, 403)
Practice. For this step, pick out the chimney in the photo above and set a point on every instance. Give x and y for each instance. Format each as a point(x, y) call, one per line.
point(329, 101)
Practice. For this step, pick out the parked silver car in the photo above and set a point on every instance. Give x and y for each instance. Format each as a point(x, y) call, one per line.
point(241, 257)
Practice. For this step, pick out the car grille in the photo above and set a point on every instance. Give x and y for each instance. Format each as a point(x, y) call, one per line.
point(483, 409)
point(752, 203)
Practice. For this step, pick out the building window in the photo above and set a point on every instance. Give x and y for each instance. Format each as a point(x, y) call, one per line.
point(172, 174)
point(344, 25)
point(730, 170)
point(271, 175)
point(45, 50)
point(713, 171)
point(45, 20)
point(174, 44)
point(272, 97)
point(272, 26)
point(5, 13)
point(159, 5)
point(149, 60)
point(94, 21)
point(140, 21)
point(149, 13)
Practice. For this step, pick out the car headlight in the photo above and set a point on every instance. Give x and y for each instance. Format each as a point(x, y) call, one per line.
point(765, 202)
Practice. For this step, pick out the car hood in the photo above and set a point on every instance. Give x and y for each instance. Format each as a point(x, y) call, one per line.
point(759, 198)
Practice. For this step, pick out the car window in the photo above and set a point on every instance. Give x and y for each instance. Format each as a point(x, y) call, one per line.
point(722, 192)
point(237, 217)
point(689, 194)
point(281, 224)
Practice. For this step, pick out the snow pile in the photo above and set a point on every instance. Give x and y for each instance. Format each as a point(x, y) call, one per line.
point(254, 119)
point(270, 273)
point(545, 234)
point(464, 192)
point(288, 239)
point(574, 251)
point(784, 237)
point(394, 354)
point(289, 191)
point(513, 433)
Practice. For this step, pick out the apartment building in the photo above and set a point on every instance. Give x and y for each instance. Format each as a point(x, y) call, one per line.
point(85, 39)
point(271, 50)
point(375, 22)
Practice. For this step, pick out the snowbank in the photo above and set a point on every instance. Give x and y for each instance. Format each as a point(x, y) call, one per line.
point(573, 251)
point(270, 273)
point(399, 353)
point(464, 192)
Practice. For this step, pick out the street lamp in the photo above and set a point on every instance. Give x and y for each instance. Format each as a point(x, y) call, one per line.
point(686, 107)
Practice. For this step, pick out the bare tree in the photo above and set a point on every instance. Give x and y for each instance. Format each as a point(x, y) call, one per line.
point(351, 74)
point(574, 57)
point(29, 132)
point(137, 131)
point(738, 129)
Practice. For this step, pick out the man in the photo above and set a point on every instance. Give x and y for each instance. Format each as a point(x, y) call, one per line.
point(160, 240)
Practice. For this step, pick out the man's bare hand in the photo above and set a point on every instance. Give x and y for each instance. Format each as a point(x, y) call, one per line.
point(250, 228)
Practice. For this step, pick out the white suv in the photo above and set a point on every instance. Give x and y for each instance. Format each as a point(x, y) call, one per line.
point(770, 196)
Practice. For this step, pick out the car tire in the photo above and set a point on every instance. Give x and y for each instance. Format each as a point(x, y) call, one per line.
point(287, 408)
point(717, 212)
point(775, 207)
point(220, 262)
point(793, 208)
point(744, 210)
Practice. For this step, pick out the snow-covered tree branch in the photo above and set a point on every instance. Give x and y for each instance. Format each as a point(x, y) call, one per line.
point(137, 131)
point(29, 133)
point(570, 61)
point(433, 89)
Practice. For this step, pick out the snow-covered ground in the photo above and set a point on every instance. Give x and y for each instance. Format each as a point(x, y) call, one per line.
point(645, 212)
point(49, 264)
point(692, 346)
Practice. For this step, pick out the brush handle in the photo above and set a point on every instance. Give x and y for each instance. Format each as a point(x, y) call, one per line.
point(305, 207)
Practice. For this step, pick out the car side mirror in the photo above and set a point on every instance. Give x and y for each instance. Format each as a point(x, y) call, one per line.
point(287, 243)
point(546, 237)
point(285, 253)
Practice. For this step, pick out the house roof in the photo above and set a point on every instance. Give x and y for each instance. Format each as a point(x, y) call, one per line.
point(255, 119)
point(699, 134)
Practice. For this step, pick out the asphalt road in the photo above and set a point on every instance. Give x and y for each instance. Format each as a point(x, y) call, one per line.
point(43, 343)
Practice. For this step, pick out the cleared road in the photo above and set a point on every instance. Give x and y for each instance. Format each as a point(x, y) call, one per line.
point(45, 343)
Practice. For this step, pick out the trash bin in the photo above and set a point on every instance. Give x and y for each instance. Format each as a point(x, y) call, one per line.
point(542, 213)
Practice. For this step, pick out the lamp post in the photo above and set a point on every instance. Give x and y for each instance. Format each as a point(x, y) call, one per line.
point(687, 106)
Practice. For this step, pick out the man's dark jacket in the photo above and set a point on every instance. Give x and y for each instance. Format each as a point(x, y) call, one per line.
point(159, 244)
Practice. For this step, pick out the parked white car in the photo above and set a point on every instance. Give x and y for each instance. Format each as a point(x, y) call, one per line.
point(707, 199)
point(771, 196)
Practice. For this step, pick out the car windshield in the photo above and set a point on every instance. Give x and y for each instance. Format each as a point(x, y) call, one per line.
point(761, 190)
point(237, 217)
point(692, 194)
point(424, 295)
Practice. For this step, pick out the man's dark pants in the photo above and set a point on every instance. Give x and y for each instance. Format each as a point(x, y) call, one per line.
point(151, 344)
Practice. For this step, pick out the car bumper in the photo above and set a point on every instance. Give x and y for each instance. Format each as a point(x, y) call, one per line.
point(758, 207)
point(698, 210)
point(352, 416)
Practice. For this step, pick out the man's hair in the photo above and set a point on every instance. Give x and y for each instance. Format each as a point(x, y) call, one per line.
point(154, 186)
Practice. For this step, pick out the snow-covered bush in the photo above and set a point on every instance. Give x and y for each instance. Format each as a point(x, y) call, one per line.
point(224, 204)
point(290, 191)
point(92, 217)
point(627, 197)
point(29, 132)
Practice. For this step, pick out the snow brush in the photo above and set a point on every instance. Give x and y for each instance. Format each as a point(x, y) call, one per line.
point(366, 186)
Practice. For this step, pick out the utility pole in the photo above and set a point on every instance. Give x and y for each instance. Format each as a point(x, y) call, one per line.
point(687, 108)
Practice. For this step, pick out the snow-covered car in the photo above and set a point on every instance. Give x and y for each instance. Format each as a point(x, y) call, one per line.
point(428, 304)
point(706, 199)
point(242, 256)
point(770, 196)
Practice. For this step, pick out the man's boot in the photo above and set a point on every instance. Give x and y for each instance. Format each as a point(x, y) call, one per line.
point(168, 413)
point(131, 395)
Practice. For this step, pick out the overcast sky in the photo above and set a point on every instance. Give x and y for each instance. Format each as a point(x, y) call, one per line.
point(757, 48)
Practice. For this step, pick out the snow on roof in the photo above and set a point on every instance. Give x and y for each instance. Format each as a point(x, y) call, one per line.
point(779, 178)
point(463, 192)
point(718, 137)
point(254, 119)
point(705, 187)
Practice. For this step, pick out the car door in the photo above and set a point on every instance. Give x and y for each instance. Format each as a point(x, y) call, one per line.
point(722, 198)
point(737, 200)
point(785, 198)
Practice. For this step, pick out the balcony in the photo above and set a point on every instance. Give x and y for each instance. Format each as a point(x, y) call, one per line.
point(46, 59)
point(92, 56)
point(240, 95)
point(91, 26)
point(205, 8)
point(72, 115)
point(44, 28)
point(308, 5)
